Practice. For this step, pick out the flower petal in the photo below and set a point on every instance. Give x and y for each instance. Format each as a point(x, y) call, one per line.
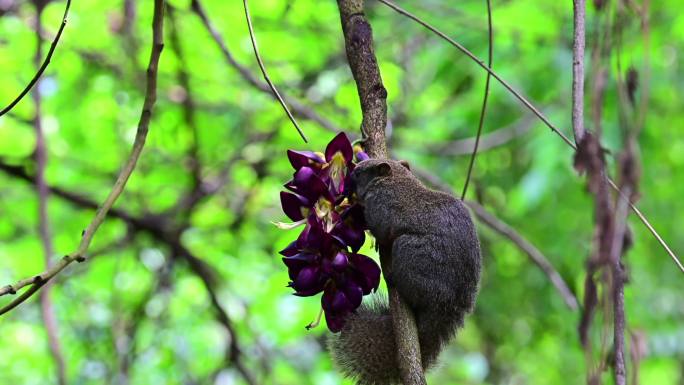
point(354, 294)
point(335, 322)
point(309, 185)
point(299, 159)
point(339, 143)
point(354, 237)
point(293, 205)
point(288, 226)
point(336, 302)
point(309, 279)
point(297, 262)
point(340, 262)
point(290, 250)
point(361, 156)
point(368, 270)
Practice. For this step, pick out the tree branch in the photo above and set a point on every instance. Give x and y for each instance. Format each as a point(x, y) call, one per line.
point(537, 113)
point(42, 68)
point(298, 108)
point(483, 110)
point(579, 7)
point(265, 74)
point(373, 97)
point(507, 231)
point(40, 155)
point(364, 67)
point(488, 141)
point(141, 134)
point(156, 227)
point(532, 252)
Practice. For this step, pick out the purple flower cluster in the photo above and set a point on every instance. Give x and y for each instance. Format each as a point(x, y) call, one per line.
point(324, 258)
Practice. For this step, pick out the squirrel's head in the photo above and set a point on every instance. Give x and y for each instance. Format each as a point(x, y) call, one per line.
point(370, 170)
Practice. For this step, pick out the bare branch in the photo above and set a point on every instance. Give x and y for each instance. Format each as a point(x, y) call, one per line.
point(490, 45)
point(479, 62)
point(43, 66)
point(266, 77)
point(536, 112)
point(618, 279)
point(40, 155)
point(364, 67)
point(141, 134)
point(234, 354)
point(579, 7)
point(491, 140)
point(507, 231)
point(532, 252)
point(297, 107)
point(358, 39)
point(188, 104)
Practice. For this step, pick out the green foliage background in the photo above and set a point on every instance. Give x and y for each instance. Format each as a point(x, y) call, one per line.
point(520, 333)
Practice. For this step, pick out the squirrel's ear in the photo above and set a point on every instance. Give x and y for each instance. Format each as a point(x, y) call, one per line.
point(405, 164)
point(384, 169)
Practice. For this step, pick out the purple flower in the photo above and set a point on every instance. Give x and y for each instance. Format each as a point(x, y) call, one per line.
point(299, 159)
point(339, 156)
point(296, 207)
point(324, 256)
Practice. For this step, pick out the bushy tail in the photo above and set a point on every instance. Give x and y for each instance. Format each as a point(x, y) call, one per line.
point(365, 349)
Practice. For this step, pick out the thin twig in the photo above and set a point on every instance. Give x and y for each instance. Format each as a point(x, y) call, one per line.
point(188, 104)
point(536, 112)
point(579, 7)
point(157, 228)
point(479, 62)
point(358, 38)
point(141, 134)
point(618, 281)
point(509, 232)
point(40, 155)
point(532, 252)
point(263, 72)
point(234, 352)
point(44, 65)
point(490, 54)
point(300, 109)
point(488, 141)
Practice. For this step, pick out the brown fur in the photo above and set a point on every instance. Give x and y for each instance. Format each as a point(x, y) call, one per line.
point(429, 247)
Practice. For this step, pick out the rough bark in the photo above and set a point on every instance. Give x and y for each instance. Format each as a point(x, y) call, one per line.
point(358, 37)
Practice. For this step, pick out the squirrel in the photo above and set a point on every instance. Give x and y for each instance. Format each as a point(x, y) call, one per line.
point(430, 254)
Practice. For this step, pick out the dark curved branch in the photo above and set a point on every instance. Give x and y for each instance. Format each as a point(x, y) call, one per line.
point(539, 115)
point(40, 156)
point(358, 39)
point(483, 111)
point(43, 66)
point(141, 134)
point(157, 228)
point(263, 72)
point(507, 231)
point(488, 141)
point(298, 108)
point(528, 248)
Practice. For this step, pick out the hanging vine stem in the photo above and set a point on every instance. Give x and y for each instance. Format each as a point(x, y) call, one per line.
point(490, 54)
point(579, 9)
point(43, 66)
point(37, 281)
point(536, 112)
point(266, 77)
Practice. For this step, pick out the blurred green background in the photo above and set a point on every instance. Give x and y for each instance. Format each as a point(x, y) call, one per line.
point(138, 312)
